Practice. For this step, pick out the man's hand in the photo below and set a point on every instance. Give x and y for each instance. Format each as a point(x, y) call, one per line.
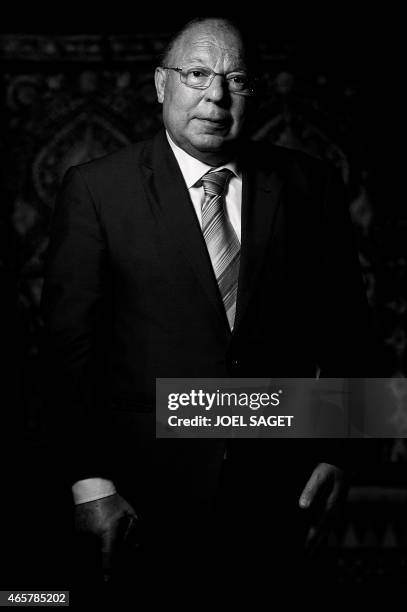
point(322, 495)
point(104, 518)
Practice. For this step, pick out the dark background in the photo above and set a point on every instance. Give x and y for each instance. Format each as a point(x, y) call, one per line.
point(74, 90)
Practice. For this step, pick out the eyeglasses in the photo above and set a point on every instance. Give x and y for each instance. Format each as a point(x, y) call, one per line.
point(201, 78)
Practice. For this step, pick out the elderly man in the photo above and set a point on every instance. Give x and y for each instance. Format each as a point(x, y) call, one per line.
point(197, 254)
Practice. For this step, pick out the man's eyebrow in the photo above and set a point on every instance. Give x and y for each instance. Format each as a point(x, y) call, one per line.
point(201, 62)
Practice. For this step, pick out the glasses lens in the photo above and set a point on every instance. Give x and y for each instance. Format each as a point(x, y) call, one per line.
point(201, 78)
point(197, 77)
point(239, 83)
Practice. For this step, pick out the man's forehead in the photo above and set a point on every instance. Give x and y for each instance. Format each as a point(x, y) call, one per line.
point(210, 42)
point(209, 50)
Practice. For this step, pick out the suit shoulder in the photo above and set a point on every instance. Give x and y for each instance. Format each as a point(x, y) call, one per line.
point(116, 164)
point(290, 159)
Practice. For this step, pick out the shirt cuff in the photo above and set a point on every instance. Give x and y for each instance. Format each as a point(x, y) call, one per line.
point(92, 489)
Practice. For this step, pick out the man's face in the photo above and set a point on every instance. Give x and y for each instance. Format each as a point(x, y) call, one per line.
point(206, 123)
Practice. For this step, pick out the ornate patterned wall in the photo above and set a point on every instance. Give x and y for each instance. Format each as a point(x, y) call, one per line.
point(70, 98)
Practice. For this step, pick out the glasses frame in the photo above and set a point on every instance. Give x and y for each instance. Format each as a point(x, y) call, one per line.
point(213, 74)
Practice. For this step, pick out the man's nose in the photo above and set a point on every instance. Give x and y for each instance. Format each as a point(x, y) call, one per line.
point(218, 90)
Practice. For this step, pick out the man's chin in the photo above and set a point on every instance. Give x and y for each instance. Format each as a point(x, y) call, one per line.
point(211, 143)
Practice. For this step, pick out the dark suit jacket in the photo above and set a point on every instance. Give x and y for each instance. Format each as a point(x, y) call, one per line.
point(130, 295)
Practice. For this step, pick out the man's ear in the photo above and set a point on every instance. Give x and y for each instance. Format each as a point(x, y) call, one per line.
point(159, 79)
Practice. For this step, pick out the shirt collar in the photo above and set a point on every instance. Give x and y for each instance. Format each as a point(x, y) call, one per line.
point(192, 169)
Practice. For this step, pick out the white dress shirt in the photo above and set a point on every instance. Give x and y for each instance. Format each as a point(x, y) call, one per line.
point(192, 170)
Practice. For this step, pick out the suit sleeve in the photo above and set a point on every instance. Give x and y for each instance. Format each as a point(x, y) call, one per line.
point(348, 342)
point(77, 322)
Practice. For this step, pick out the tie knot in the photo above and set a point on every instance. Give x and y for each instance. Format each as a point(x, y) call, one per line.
point(214, 183)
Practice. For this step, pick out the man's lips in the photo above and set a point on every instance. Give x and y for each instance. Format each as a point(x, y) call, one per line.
point(214, 119)
point(220, 122)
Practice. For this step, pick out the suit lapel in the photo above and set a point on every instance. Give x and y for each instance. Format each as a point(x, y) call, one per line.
point(262, 186)
point(260, 202)
point(183, 229)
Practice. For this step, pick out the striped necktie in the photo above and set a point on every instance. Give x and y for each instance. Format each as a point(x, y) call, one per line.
point(220, 237)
